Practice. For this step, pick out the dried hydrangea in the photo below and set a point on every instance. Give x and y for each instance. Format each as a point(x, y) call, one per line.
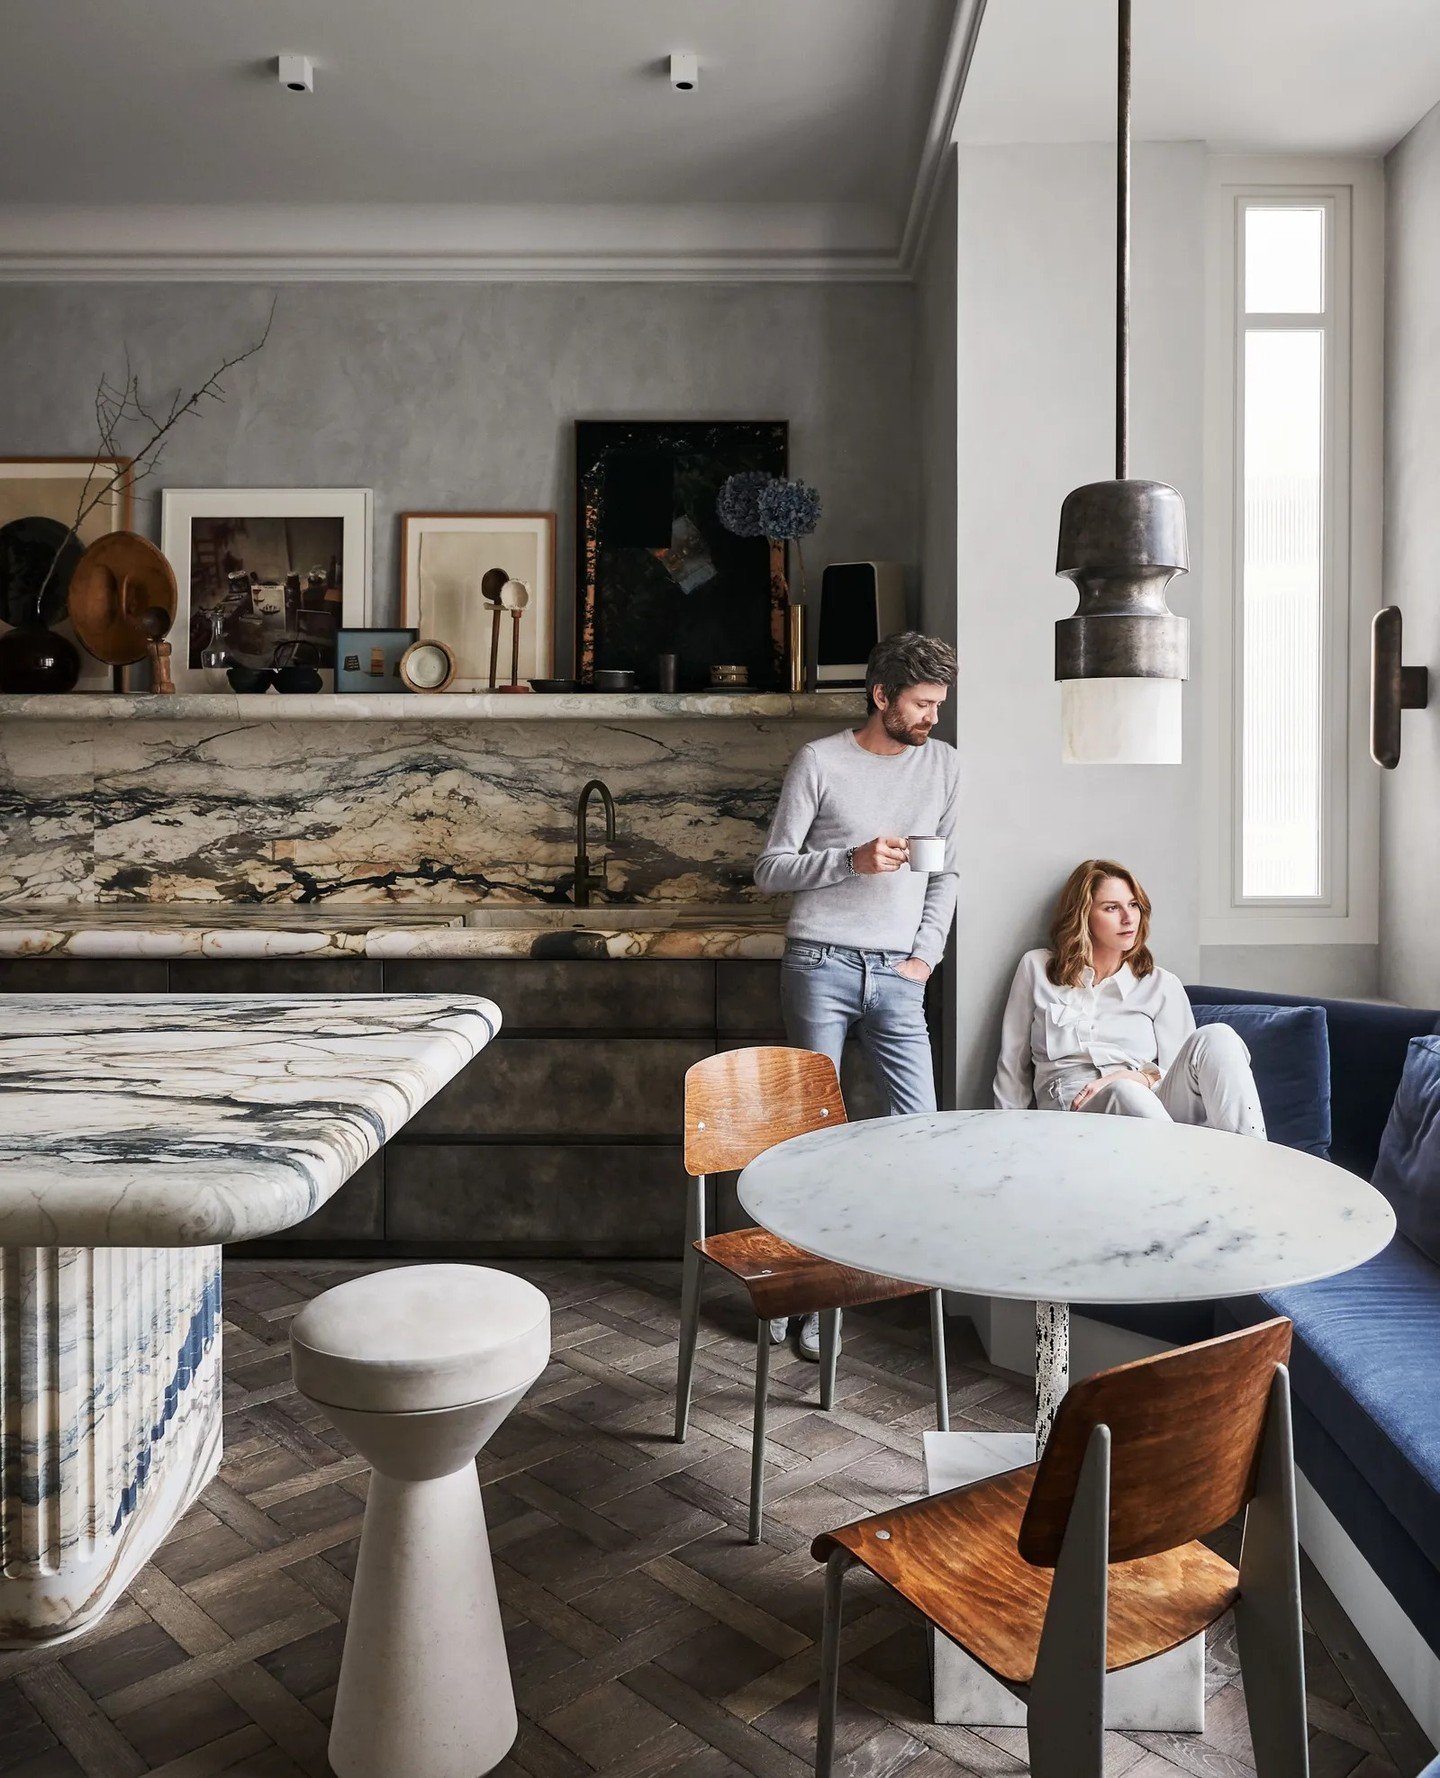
point(788, 510)
point(737, 503)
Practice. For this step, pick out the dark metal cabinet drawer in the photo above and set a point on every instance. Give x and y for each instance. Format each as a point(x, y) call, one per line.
point(274, 975)
point(747, 1000)
point(538, 1199)
point(562, 1087)
point(632, 994)
point(83, 975)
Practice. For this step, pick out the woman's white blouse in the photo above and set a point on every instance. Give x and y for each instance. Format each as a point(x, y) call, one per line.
point(1048, 1032)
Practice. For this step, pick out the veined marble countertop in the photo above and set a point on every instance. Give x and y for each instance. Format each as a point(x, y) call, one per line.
point(159, 1120)
point(391, 930)
point(580, 706)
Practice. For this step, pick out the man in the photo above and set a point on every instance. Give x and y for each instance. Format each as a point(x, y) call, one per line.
point(864, 930)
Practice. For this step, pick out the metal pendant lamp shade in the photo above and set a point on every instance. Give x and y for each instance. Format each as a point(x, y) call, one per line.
point(1123, 657)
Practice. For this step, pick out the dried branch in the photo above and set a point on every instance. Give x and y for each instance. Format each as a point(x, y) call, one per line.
point(117, 408)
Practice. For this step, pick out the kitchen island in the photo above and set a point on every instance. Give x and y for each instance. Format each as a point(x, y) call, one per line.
point(138, 1132)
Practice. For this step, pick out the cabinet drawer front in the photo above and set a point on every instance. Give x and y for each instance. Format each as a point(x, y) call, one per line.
point(565, 1087)
point(83, 975)
point(274, 975)
point(631, 994)
point(747, 1000)
point(486, 1198)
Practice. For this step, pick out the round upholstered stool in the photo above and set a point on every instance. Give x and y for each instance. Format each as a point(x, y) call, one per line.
point(417, 1367)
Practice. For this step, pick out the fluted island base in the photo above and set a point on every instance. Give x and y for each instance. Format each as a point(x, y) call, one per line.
point(109, 1422)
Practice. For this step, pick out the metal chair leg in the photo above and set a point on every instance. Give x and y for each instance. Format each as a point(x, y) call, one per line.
point(1066, 1711)
point(942, 1375)
point(689, 1332)
point(1268, 1629)
point(757, 1436)
point(835, 1571)
point(829, 1355)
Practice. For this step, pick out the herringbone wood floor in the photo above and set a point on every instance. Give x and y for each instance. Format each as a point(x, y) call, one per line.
point(645, 1636)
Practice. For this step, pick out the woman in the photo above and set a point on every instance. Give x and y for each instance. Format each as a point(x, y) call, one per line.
point(1093, 1025)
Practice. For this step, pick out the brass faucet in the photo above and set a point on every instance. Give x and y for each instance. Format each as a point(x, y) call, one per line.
point(585, 878)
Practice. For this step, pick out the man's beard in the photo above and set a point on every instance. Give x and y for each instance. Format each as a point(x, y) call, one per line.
point(911, 734)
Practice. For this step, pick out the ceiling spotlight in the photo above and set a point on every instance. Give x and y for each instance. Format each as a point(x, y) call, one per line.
point(684, 71)
point(297, 74)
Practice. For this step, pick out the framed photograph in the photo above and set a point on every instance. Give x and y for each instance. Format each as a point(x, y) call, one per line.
point(271, 574)
point(459, 574)
point(366, 660)
point(655, 570)
point(39, 500)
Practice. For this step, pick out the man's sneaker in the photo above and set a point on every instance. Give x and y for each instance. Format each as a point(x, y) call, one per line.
point(778, 1330)
point(809, 1341)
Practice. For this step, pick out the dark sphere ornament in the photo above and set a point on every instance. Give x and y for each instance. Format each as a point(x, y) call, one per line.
point(36, 659)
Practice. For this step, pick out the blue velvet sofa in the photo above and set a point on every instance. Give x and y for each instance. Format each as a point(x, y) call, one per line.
point(1366, 1364)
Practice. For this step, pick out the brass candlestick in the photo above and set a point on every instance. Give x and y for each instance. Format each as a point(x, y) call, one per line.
point(795, 634)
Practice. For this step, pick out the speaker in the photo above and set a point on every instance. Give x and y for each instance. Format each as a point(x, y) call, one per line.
point(859, 603)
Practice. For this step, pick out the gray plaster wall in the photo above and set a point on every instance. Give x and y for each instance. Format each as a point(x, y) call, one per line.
point(463, 396)
point(1331, 972)
point(1410, 795)
point(1036, 403)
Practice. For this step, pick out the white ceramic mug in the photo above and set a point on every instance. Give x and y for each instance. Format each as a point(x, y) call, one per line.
point(927, 852)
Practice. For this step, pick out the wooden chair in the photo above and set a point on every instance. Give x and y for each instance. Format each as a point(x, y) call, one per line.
point(1143, 1460)
point(736, 1106)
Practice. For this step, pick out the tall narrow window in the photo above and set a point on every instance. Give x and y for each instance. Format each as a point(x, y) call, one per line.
point(1283, 370)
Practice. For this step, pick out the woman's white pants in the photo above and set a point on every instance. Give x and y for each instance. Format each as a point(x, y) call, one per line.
point(1209, 1083)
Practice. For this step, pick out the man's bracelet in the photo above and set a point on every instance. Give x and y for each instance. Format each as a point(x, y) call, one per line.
point(850, 860)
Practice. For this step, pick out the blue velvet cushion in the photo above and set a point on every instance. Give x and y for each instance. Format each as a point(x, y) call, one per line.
point(1408, 1170)
point(1290, 1055)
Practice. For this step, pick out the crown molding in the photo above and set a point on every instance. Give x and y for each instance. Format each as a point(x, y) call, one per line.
point(940, 130)
point(509, 243)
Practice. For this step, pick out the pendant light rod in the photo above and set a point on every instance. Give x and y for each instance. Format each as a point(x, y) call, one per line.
point(1122, 246)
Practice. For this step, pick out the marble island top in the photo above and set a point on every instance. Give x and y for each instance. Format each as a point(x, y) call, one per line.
point(391, 930)
point(157, 1120)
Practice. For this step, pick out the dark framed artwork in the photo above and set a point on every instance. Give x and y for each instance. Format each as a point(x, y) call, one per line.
point(655, 570)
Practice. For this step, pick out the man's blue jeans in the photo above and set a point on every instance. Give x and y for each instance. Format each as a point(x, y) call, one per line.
point(827, 989)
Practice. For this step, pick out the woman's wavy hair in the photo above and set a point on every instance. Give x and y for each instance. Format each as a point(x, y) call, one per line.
point(1070, 951)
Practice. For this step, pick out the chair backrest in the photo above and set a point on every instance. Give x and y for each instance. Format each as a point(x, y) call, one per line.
point(1185, 1430)
point(742, 1102)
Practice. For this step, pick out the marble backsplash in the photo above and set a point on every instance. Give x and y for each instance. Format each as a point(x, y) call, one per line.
point(354, 812)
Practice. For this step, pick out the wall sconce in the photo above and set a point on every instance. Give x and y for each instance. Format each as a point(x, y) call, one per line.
point(1393, 687)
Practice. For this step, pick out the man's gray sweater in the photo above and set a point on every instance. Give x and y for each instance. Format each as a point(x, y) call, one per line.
point(837, 795)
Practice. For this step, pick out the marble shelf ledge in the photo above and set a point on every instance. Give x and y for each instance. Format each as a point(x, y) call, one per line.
point(814, 706)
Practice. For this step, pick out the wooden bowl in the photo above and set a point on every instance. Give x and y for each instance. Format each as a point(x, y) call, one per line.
point(118, 579)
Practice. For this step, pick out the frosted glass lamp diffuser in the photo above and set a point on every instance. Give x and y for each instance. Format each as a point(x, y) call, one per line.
point(1120, 722)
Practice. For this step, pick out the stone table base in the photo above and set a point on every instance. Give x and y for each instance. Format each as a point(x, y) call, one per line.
point(109, 1421)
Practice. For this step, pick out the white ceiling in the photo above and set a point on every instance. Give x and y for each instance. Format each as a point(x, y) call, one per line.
point(1338, 76)
point(466, 101)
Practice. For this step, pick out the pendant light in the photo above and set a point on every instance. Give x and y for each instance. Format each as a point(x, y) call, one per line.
point(1121, 659)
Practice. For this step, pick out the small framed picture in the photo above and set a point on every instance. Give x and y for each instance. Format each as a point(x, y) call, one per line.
point(483, 583)
point(272, 575)
point(366, 660)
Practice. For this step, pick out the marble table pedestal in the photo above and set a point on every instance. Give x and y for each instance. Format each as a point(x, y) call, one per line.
point(1056, 1210)
point(139, 1133)
point(110, 1410)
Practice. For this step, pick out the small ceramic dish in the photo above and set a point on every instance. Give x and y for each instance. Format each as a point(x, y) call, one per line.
point(426, 666)
point(553, 685)
point(614, 679)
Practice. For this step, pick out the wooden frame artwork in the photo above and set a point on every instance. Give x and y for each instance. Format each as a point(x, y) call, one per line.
point(454, 570)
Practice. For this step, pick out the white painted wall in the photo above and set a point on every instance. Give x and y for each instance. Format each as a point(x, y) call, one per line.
point(936, 347)
point(1410, 795)
point(1035, 397)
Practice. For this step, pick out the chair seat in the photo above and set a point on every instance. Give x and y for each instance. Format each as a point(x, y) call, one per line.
point(955, 1557)
point(420, 1338)
point(785, 1280)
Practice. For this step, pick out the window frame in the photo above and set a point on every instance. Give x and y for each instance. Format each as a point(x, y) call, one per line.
point(1352, 193)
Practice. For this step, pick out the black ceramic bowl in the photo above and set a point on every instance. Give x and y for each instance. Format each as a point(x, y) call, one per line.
point(250, 678)
point(614, 679)
point(552, 685)
point(297, 679)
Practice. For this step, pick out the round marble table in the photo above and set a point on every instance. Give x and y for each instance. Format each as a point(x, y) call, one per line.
point(1065, 1209)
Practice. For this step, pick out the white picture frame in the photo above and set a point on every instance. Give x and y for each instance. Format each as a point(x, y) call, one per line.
point(443, 558)
point(336, 526)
